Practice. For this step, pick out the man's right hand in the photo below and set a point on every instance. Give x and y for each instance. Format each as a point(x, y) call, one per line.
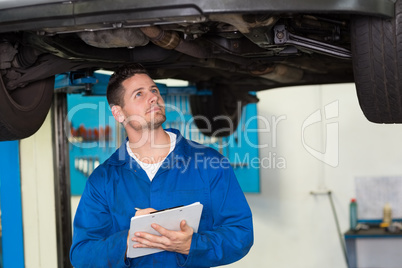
point(144, 211)
point(139, 213)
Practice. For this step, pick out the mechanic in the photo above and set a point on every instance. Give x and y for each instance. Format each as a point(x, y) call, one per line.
point(158, 169)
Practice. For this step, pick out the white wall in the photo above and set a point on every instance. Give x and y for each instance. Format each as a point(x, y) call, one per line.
point(292, 227)
point(38, 201)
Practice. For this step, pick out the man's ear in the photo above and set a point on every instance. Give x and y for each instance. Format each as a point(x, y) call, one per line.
point(118, 113)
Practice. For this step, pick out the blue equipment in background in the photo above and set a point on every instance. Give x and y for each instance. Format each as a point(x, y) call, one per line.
point(94, 134)
point(12, 240)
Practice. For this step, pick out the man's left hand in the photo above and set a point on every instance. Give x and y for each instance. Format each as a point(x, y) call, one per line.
point(176, 241)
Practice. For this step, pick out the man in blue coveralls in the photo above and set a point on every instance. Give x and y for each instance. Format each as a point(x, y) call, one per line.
point(157, 169)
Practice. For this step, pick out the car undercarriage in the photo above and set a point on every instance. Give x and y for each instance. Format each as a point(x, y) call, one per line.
point(229, 50)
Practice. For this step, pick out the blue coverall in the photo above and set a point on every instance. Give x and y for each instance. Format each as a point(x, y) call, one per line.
point(191, 173)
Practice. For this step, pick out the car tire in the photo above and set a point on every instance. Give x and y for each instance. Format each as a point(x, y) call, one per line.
point(216, 115)
point(377, 66)
point(23, 110)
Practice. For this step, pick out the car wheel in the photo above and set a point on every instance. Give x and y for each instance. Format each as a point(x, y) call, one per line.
point(23, 110)
point(377, 66)
point(216, 115)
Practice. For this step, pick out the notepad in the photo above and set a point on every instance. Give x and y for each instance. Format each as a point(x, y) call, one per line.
point(167, 218)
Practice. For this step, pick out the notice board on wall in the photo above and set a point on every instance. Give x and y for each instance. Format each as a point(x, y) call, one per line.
point(372, 193)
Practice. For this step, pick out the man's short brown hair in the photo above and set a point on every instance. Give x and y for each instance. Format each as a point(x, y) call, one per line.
point(115, 89)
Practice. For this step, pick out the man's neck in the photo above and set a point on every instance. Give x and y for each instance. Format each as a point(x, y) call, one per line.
point(150, 146)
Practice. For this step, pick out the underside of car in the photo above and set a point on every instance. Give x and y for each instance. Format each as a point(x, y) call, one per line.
point(229, 50)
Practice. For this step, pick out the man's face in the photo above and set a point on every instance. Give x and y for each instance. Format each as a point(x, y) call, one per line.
point(143, 107)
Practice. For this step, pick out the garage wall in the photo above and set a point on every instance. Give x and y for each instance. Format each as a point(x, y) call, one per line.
point(292, 227)
point(37, 194)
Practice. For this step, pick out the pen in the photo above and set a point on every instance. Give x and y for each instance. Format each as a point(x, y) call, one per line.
point(137, 209)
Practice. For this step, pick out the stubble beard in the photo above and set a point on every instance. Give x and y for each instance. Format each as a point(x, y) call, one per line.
point(155, 122)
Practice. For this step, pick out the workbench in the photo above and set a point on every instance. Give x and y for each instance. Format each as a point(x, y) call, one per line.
point(374, 247)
